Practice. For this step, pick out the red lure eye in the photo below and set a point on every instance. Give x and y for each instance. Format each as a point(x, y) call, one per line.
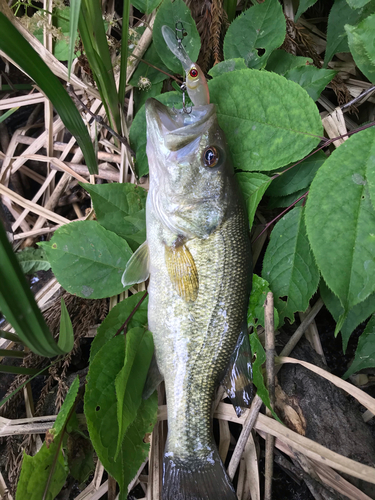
point(193, 73)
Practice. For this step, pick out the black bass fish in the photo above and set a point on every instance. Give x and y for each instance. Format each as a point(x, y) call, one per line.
point(198, 257)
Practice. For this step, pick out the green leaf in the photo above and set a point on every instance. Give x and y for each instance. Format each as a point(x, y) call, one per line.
point(356, 315)
point(117, 317)
point(18, 305)
point(80, 456)
point(341, 14)
point(170, 13)
point(137, 134)
point(286, 201)
point(124, 52)
point(357, 4)
point(146, 6)
point(143, 69)
point(33, 260)
point(256, 33)
point(67, 406)
point(312, 79)
point(297, 178)
point(141, 96)
point(18, 49)
point(10, 336)
point(66, 335)
point(88, 260)
point(75, 7)
point(254, 106)
point(340, 219)
point(303, 6)
point(255, 312)
point(253, 186)
point(101, 415)
point(280, 62)
point(227, 66)
point(18, 370)
point(36, 470)
point(362, 46)
point(289, 265)
point(260, 358)
point(120, 208)
point(139, 348)
point(7, 353)
point(365, 353)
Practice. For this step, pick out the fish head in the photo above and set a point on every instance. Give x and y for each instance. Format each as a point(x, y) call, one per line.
point(191, 176)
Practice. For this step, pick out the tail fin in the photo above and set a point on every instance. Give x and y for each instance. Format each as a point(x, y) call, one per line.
point(196, 479)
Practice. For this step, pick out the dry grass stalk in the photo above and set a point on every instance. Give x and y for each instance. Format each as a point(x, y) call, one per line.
point(215, 30)
point(270, 371)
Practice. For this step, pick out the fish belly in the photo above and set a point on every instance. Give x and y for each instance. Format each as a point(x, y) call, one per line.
point(193, 345)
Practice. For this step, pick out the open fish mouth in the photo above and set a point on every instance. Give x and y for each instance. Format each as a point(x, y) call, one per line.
point(176, 128)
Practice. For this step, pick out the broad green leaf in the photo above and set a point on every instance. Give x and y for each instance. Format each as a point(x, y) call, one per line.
point(88, 260)
point(66, 335)
point(33, 260)
point(260, 358)
point(340, 219)
point(280, 62)
point(357, 4)
point(356, 315)
point(143, 69)
point(365, 353)
point(227, 66)
point(80, 456)
point(120, 208)
point(101, 414)
point(289, 265)
point(341, 14)
point(362, 46)
point(286, 201)
point(170, 13)
point(18, 49)
point(268, 120)
point(256, 33)
point(140, 96)
point(253, 186)
point(117, 317)
point(311, 78)
point(297, 178)
point(303, 6)
point(139, 348)
point(36, 470)
point(137, 133)
point(145, 6)
point(255, 311)
point(18, 305)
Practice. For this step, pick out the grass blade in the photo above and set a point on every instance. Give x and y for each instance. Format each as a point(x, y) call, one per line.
point(19, 307)
point(124, 52)
point(7, 353)
point(75, 7)
point(7, 114)
point(21, 52)
point(18, 370)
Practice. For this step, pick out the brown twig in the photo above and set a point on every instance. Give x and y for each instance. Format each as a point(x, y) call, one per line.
point(270, 370)
point(124, 326)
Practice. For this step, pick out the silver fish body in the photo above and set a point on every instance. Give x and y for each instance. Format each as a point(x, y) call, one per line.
point(200, 278)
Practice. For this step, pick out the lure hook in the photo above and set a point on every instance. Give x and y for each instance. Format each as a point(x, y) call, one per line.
point(180, 33)
point(184, 108)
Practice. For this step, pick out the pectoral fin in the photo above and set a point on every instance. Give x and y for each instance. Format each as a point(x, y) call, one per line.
point(154, 378)
point(182, 272)
point(137, 268)
point(237, 380)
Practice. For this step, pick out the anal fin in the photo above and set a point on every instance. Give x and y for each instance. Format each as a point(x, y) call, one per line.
point(137, 268)
point(237, 380)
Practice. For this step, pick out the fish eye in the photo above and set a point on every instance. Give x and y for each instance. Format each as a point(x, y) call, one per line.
point(210, 156)
point(193, 73)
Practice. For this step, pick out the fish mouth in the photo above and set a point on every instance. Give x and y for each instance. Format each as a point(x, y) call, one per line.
point(175, 127)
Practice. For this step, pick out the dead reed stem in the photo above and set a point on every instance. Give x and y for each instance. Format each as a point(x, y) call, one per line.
point(270, 370)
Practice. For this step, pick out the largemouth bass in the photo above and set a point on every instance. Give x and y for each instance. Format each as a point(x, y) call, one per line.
point(198, 257)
